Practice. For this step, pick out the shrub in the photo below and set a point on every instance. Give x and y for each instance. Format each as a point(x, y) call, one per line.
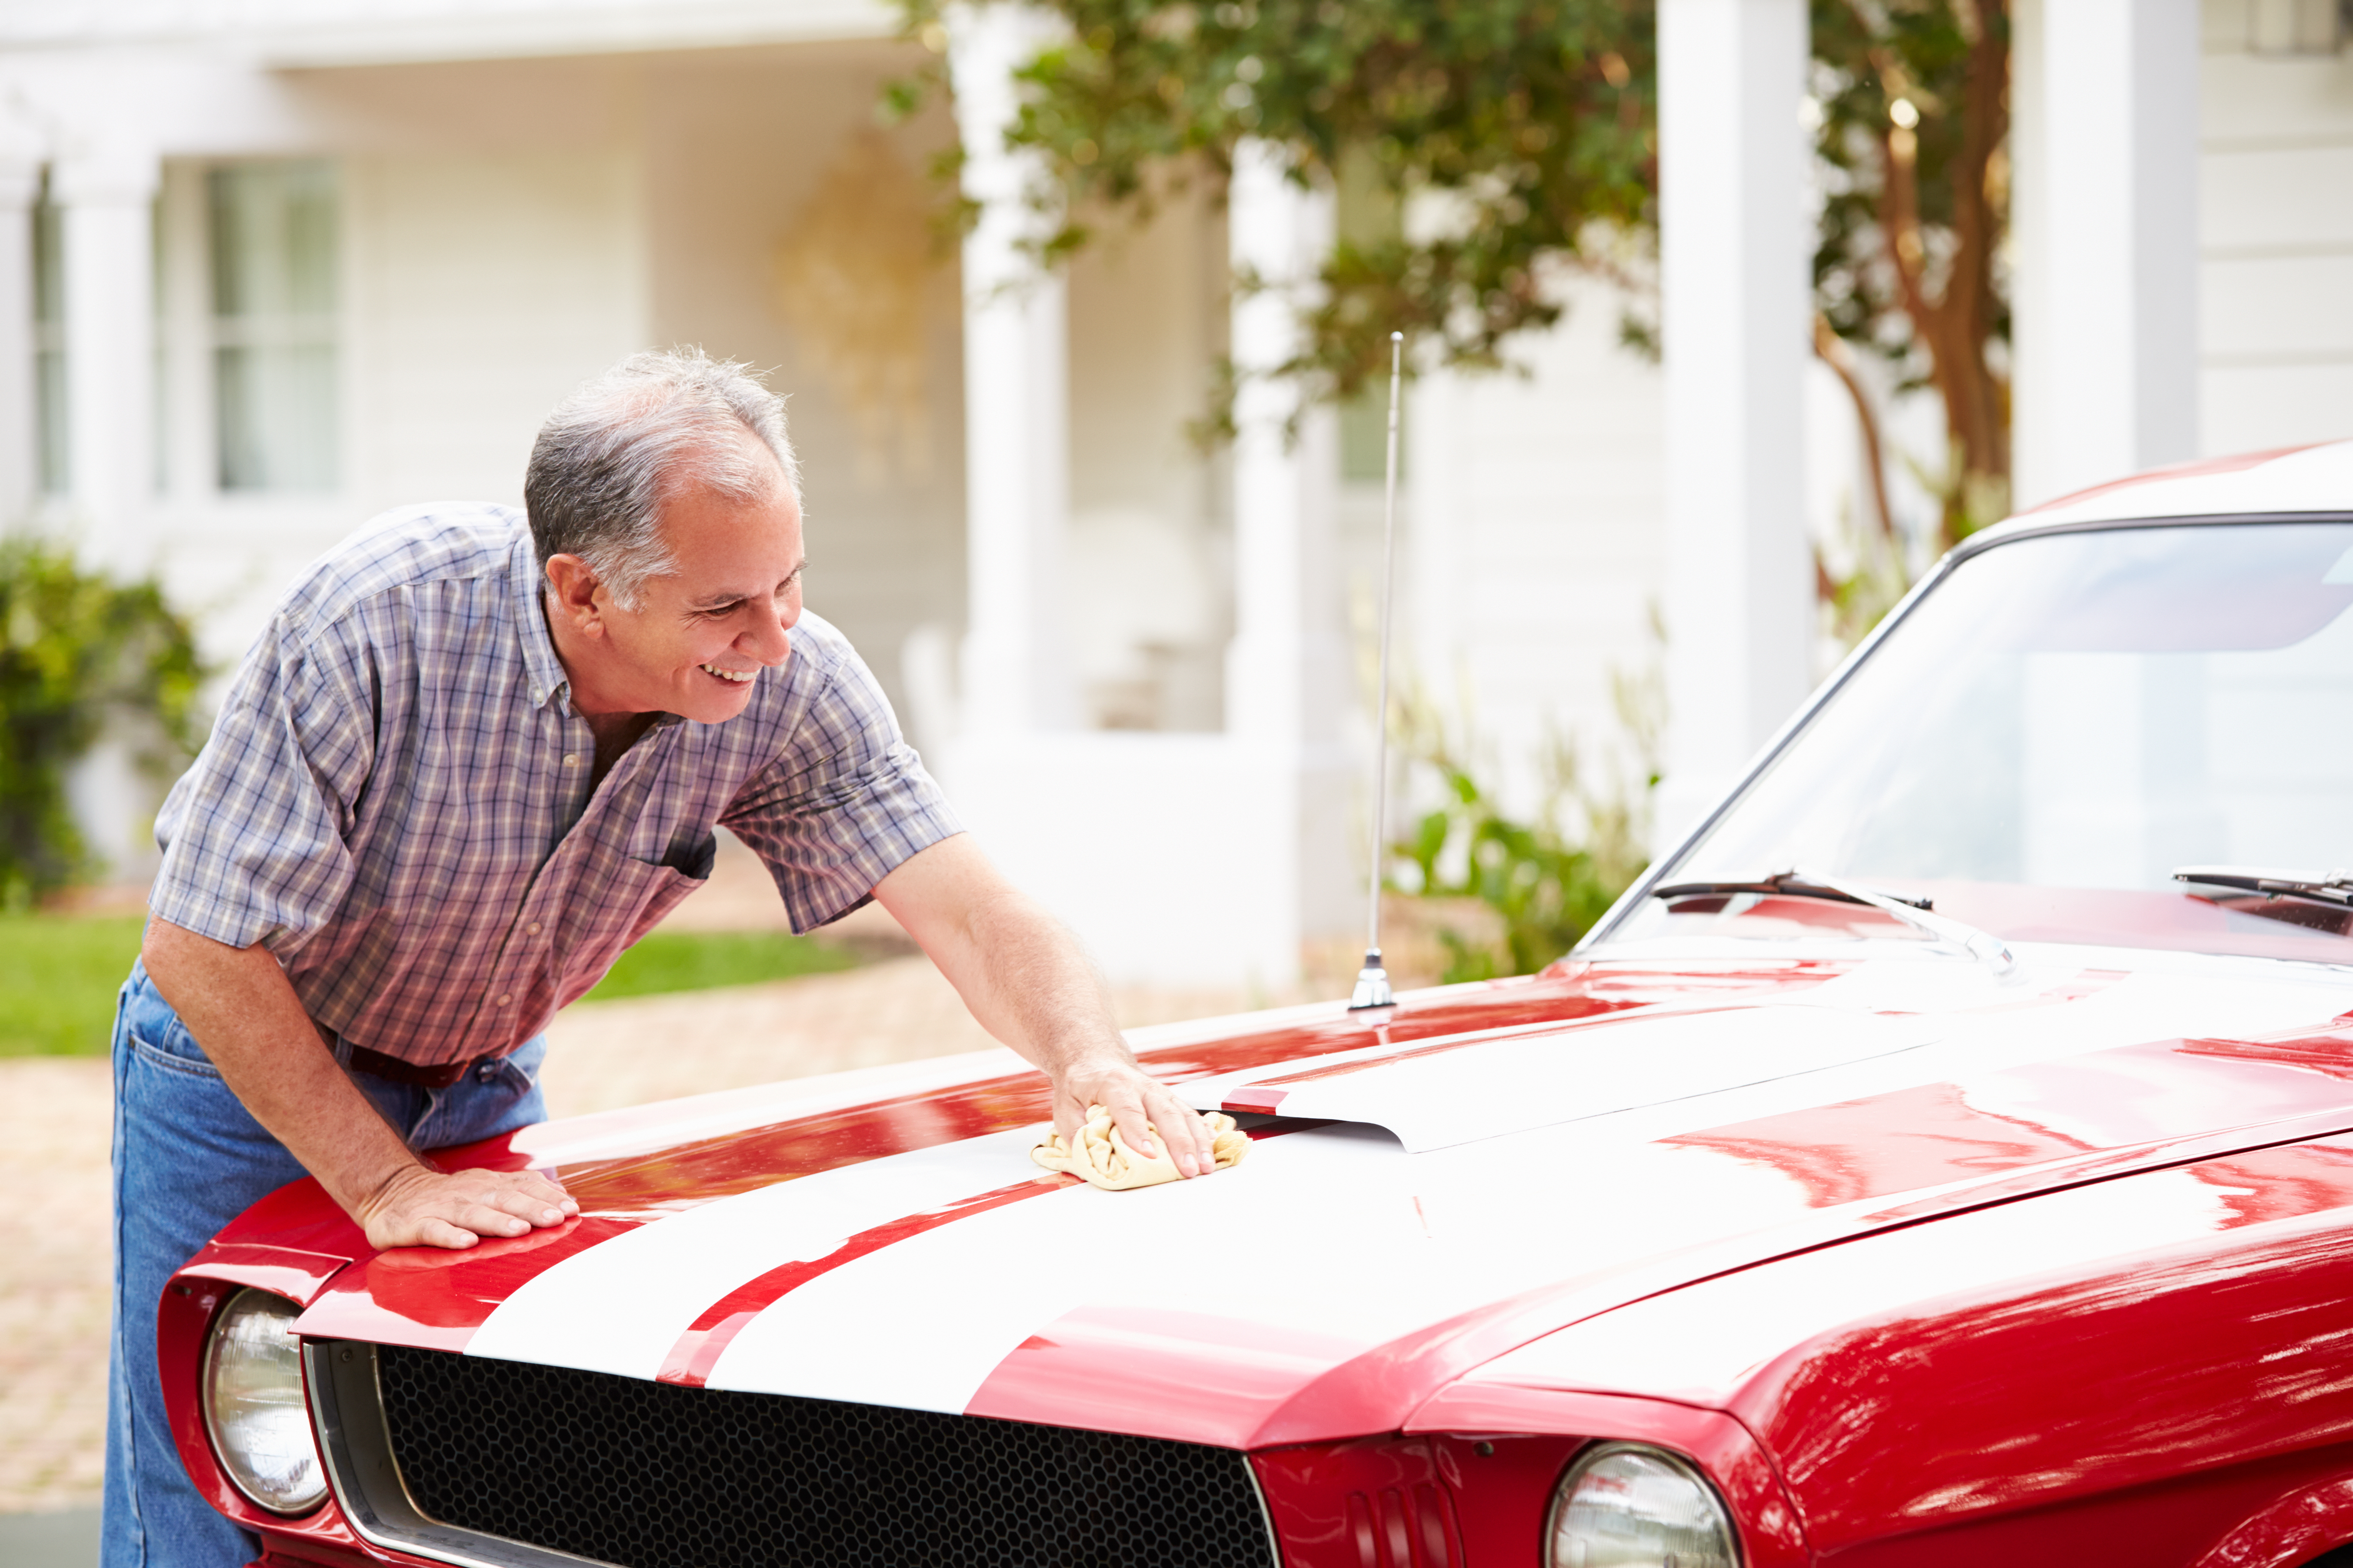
point(77, 650)
point(1548, 891)
point(1549, 880)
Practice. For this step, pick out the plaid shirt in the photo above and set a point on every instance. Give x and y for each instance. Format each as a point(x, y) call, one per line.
point(397, 796)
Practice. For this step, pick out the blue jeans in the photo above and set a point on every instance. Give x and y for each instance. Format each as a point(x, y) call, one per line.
point(189, 1158)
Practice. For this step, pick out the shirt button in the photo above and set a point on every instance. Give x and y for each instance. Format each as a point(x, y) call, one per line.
point(505, 1001)
point(571, 758)
point(533, 927)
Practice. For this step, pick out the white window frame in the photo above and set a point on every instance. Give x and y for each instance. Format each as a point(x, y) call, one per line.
point(188, 333)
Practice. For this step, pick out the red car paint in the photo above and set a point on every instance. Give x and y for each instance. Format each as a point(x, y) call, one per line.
point(437, 1300)
point(1376, 1452)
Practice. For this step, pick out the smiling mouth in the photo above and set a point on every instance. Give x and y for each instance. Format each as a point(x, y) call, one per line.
point(733, 677)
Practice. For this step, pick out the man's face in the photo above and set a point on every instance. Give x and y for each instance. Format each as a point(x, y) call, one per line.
point(701, 634)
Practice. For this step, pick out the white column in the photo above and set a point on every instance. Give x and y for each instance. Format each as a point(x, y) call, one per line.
point(106, 189)
point(1282, 683)
point(20, 181)
point(1017, 397)
point(1735, 312)
point(2105, 236)
point(188, 442)
point(1286, 671)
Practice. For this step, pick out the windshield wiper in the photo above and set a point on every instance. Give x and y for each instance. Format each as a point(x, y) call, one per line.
point(2334, 891)
point(1801, 883)
point(1784, 885)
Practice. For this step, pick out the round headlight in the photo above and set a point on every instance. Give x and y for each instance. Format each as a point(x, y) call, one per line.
point(253, 1402)
point(1623, 1505)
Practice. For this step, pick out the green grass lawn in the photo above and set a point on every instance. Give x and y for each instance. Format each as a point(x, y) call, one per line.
point(59, 973)
point(697, 960)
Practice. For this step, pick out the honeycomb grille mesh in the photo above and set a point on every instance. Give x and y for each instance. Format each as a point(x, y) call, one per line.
point(646, 1475)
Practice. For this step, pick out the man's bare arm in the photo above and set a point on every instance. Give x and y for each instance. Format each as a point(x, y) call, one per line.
point(243, 1011)
point(1025, 978)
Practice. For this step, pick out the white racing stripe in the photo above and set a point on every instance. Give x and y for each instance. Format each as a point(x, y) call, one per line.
point(1513, 1085)
point(1338, 1233)
point(621, 1305)
point(924, 1323)
point(1786, 1054)
point(1324, 1243)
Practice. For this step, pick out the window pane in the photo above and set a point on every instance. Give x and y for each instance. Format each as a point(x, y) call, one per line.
point(276, 418)
point(274, 273)
point(274, 240)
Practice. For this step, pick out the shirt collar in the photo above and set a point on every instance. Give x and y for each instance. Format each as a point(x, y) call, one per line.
point(548, 681)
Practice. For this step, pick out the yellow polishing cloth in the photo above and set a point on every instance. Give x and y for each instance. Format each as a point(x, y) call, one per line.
point(1103, 1158)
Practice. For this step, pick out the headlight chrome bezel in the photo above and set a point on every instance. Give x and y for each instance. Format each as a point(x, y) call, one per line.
point(233, 1464)
point(1683, 1469)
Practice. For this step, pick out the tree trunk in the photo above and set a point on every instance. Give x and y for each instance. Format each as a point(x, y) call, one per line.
point(1834, 354)
point(1954, 323)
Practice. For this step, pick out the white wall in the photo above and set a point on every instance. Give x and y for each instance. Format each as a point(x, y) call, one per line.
point(485, 286)
point(2275, 242)
point(1148, 562)
point(1536, 554)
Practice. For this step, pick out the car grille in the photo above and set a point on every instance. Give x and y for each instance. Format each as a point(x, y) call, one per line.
point(648, 1475)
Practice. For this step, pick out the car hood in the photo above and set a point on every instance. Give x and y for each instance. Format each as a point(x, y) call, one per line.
point(1427, 1189)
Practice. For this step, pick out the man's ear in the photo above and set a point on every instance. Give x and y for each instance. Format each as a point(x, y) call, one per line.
point(573, 591)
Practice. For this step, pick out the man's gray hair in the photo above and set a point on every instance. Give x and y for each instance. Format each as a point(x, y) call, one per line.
point(654, 424)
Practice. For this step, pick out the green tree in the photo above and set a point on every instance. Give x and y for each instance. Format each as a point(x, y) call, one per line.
point(76, 649)
point(1533, 119)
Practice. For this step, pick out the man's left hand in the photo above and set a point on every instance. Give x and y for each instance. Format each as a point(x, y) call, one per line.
point(1138, 1103)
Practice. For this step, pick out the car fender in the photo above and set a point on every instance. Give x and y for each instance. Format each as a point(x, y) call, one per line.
point(2296, 1529)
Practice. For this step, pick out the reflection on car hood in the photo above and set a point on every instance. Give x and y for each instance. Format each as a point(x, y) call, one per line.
point(1428, 1190)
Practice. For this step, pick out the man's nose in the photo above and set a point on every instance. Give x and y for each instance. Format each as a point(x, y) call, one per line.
point(768, 638)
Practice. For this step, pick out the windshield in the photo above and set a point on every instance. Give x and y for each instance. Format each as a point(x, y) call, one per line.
point(2051, 731)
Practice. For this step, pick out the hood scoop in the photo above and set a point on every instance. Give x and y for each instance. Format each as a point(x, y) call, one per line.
point(1437, 1094)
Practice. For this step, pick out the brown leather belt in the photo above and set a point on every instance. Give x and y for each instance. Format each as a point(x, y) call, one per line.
point(440, 1075)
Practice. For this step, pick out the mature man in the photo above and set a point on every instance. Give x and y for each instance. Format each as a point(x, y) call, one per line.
point(468, 763)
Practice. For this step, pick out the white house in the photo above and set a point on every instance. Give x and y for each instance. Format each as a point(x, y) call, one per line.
point(267, 269)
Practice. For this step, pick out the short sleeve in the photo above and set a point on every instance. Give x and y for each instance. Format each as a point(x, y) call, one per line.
point(254, 835)
point(844, 803)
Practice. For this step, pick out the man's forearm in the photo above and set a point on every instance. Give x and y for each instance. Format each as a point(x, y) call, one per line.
point(1031, 985)
point(243, 1011)
point(1027, 981)
point(1021, 974)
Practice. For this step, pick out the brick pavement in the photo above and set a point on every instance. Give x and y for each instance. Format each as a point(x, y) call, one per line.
point(54, 1118)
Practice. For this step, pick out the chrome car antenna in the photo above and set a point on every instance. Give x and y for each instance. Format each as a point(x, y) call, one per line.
point(1373, 979)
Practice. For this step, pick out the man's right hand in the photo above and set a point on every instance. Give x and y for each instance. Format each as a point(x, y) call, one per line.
point(422, 1207)
point(242, 1009)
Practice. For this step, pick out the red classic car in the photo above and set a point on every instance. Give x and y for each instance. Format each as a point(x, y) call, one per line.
point(1944, 1157)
